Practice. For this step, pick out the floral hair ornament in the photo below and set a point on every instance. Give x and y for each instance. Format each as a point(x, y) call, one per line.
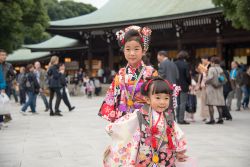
point(144, 33)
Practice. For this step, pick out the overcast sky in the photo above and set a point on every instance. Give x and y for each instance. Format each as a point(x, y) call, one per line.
point(96, 3)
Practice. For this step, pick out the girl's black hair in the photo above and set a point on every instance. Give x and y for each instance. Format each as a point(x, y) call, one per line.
point(133, 35)
point(156, 85)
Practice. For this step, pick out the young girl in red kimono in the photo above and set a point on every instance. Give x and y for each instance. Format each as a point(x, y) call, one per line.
point(148, 137)
point(124, 96)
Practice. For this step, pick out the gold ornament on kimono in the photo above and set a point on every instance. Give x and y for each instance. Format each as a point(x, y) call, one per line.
point(130, 102)
point(155, 158)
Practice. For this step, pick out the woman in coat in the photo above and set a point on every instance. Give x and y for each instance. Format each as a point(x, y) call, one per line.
point(54, 78)
point(214, 95)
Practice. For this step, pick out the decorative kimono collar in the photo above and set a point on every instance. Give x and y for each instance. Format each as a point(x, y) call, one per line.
point(133, 69)
point(145, 111)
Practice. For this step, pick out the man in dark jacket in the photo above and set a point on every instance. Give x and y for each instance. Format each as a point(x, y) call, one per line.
point(184, 81)
point(167, 69)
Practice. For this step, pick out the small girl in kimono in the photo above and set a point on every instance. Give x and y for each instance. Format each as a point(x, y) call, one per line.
point(149, 137)
point(124, 96)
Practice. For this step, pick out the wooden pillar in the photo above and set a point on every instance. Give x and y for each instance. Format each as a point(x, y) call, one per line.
point(111, 56)
point(219, 46)
point(88, 42)
point(90, 57)
point(179, 32)
point(218, 31)
point(81, 59)
point(179, 44)
point(109, 38)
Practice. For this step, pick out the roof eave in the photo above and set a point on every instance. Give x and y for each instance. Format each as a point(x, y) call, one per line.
point(139, 21)
point(55, 49)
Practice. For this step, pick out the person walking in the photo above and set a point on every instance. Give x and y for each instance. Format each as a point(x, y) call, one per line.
point(8, 75)
point(167, 69)
point(236, 82)
point(41, 78)
point(183, 81)
point(63, 82)
point(214, 95)
point(2, 82)
point(97, 85)
point(226, 89)
point(31, 88)
point(20, 79)
point(54, 85)
point(246, 88)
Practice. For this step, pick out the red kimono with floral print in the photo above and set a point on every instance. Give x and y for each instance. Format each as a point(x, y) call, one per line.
point(115, 103)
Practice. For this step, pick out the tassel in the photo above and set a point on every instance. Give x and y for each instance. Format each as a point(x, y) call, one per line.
point(154, 142)
point(170, 141)
point(154, 130)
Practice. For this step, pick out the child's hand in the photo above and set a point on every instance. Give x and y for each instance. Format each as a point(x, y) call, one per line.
point(181, 157)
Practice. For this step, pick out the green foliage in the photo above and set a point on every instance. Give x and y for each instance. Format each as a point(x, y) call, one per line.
point(238, 11)
point(66, 9)
point(21, 20)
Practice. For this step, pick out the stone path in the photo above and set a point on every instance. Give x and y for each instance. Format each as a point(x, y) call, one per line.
point(78, 138)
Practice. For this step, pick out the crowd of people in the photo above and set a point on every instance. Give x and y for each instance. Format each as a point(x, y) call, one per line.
point(87, 85)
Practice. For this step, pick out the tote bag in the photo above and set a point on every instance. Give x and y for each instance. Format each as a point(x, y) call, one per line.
point(4, 104)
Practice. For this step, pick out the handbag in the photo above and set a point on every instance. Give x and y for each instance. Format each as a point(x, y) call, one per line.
point(4, 104)
point(191, 103)
point(219, 80)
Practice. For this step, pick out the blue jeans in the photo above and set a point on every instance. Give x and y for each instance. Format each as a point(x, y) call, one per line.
point(31, 101)
point(45, 101)
point(246, 92)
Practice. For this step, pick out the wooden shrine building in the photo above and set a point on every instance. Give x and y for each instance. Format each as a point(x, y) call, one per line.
point(194, 25)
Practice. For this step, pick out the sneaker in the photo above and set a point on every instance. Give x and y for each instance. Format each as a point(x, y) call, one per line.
point(210, 122)
point(204, 120)
point(23, 112)
point(72, 108)
point(58, 114)
point(220, 121)
point(35, 113)
point(229, 119)
point(183, 123)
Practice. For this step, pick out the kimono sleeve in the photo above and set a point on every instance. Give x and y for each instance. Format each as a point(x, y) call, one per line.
point(108, 108)
point(125, 134)
point(181, 143)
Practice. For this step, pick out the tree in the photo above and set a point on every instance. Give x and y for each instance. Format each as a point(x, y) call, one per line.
point(21, 20)
point(238, 11)
point(67, 9)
